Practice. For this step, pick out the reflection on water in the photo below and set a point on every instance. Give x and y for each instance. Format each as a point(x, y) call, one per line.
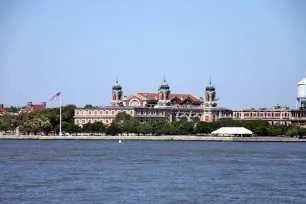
point(151, 172)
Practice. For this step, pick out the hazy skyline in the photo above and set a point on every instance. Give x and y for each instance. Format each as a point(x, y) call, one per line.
point(254, 51)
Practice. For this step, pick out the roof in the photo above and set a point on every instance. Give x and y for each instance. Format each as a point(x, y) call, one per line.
point(164, 85)
point(117, 86)
point(154, 96)
point(4, 112)
point(263, 110)
point(232, 131)
point(39, 107)
point(108, 108)
point(32, 107)
point(303, 82)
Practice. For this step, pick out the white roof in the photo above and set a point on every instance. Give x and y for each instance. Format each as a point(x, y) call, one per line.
point(303, 82)
point(232, 130)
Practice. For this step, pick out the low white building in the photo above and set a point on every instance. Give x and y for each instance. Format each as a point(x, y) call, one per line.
point(232, 132)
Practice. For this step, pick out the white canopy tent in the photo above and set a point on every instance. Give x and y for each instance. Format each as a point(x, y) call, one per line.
point(232, 131)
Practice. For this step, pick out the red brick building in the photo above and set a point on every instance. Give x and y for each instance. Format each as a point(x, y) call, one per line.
point(3, 112)
point(150, 107)
point(163, 105)
point(274, 116)
point(32, 107)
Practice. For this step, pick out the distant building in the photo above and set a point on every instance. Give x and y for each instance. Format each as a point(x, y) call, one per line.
point(279, 115)
point(150, 107)
point(274, 116)
point(32, 107)
point(163, 105)
point(3, 112)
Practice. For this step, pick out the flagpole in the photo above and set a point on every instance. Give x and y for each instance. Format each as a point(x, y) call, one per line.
point(60, 133)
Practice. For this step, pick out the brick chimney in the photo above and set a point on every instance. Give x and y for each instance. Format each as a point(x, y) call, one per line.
point(1, 105)
point(30, 103)
point(44, 103)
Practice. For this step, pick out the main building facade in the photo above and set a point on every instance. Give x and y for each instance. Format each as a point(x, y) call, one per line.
point(166, 106)
point(150, 107)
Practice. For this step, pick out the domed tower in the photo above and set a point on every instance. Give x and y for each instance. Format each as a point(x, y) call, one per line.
point(163, 93)
point(117, 95)
point(210, 96)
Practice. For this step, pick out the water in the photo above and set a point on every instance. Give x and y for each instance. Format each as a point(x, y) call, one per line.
point(151, 172)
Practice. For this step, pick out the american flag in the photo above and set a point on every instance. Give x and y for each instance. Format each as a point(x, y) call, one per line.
point(56, 97)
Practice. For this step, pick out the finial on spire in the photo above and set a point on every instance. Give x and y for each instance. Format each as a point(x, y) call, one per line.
point(209, 80)
point(164, 78)
point(117, 79)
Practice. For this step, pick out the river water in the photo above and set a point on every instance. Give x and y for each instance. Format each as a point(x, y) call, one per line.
point(100, 171)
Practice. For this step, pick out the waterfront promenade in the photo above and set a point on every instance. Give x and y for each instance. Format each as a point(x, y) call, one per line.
point(155, 138)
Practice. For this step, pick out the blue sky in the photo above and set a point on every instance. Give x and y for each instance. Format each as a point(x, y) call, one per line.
point(254, 51)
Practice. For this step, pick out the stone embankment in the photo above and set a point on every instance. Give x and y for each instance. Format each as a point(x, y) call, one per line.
point(156, 138)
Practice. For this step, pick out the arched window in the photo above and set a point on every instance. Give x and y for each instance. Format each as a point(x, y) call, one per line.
point(134, 103)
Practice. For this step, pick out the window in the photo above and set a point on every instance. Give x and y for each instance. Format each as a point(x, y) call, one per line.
point(113, 112)
point(134, 103)
point(77, 113)
point(106, 121)
point(83, 121)
point(131, 112)
point(101, 112)
point(77, 121)
point(106, 112)
point(89, 112)
point(96, 112)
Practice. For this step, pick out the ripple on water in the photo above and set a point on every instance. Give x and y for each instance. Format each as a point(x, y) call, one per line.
point(151, 172)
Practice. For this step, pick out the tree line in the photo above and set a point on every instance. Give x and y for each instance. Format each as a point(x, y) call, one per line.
point(46, 122)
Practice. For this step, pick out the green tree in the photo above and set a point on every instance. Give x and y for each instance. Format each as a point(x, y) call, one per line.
point(302, 132)
point(145, 128)
point(12, 109)
point(261, 131)
point(275, 130)
point(87, 127)
point(98, 127)
point(157, 126)
point(203, 127)
point(292, 131)
point(129, 126)
point(121, 117)
point(113, 129)
point(183, 127)
point(88, 106)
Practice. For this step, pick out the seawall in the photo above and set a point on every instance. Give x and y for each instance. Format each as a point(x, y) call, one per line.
point(155, 138)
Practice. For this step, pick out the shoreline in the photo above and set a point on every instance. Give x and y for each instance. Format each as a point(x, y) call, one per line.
point(155, 138)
